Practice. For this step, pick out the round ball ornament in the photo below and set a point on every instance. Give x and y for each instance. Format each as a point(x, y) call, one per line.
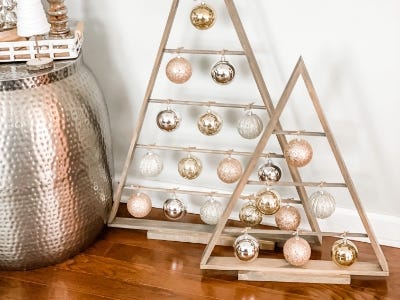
point(250, 215)
point(344, 252)
point(322, 204)
point(209, 123)
point(288, 218)
point(211, 211)
point(178, 70)
point(297, 251)
point(268, 201)
point(250, 125)
point(168, 120)
point(190, 167)
point(223, 72)
point(150, 165)
point(246, 248)
point(202, 16)
point(174, 209)
point(269, 172)
point(298, 152)
point(139, 205)
point(229, 170)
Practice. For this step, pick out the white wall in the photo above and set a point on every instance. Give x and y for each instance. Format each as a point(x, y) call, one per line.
point(351, 49)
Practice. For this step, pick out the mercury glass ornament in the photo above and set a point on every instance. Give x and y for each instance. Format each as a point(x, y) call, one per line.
point(298, 152)
point(211, 211)
point(250, 215)
point(229, 170)
point(209, 123)
point(190, 167)
point(344, 252)
point(178, 70)
point(297, 251)
point(287, 218)
point(168, 120)
point(174, 209)
point(246, 248)
point(150, 165)
point(223, 72)
point(269, 172)
point(268, 201)
point(139, 205)
point(323, 204)
point(202, 16)
point(8, 16)
point(250, 125)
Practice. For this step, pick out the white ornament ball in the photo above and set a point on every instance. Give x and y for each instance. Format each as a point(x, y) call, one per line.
point(139, 205)
point(178, 70)
point(246, 248)
point(211, 211)
point(250, 126)
point(297, 251)
point(287, 218)
point(150, 165)
point(298, 153)
point(323, 204)
point(229, 170)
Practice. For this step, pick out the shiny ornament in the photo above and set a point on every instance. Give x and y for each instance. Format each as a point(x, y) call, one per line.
point(297, 251)
point(344, 252)
point(288, 218)
point(139, 205)
point(150, 165)
point(202, 16)
point(269, 172)
point(174, 209)
point(250, 125)
point(229, 170)
point(168, 120)
point(298, 153)
point(190, 167)
point(209, 123)
point(246, 247)
point(250, 215)
point(178, 70)
point(223, 72)
point(211, 211)
point(322, 204)
point(268, 201)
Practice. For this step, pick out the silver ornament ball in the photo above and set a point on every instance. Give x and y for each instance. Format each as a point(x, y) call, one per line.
point(150, 165)
point(269, 172)
point(223, 72)
point(246, 248)
point(250, 126)
point(174, 209)
point(168, 120)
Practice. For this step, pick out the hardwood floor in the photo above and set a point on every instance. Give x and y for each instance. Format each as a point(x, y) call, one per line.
point(123, 264)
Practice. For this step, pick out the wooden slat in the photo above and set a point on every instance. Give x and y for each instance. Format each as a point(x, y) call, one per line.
point(279, 277)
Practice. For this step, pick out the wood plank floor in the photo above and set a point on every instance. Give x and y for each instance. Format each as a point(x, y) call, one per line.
point(123, 264)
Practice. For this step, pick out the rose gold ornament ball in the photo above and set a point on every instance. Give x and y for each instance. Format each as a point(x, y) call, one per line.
point(178, 70)
point(139, 205)
point(288, 218)
point(298, 153)
point(297, 251)
point(229, 170)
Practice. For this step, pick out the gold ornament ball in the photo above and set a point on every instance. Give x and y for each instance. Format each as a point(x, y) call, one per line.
point(297, 251)
point(190, 167)
point(250, 215)
point(202, 16)
point(168, 120)
point(174, 209)
point(246, 248)
point(288, 218)
point(268, 201)
point(209, 123)
point(223, 72)
point(344, 253)
point(178, 70)
point(298, 153)
point(269, 172)
point(229, 170)
point(139, 205)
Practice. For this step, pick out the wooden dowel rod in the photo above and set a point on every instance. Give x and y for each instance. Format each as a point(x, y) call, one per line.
point(202, 150)
point(288, 232)
point(293, 132)
point(198, 51)
point(288, 183)
point(205, 103)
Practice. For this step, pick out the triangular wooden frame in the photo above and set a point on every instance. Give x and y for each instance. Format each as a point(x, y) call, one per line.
point(264, 269)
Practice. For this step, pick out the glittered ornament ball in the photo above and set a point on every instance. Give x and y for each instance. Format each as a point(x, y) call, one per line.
point(168, 120)
point(202, 16)
point(297, 251)
point(250, 126)
point(250, 215)
point(298, 153)
point(269, 172)
point(211, 211)
point(268, 201)
point(288, 218)
point(246, 248)
point(323, 204)
point(150, 165)
point(222, 72)
point(174, 209)
point(209, 123)
point(190, 167)
point(344, 253)
point(139, 205)
point(178, 70)
point(229, 170)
